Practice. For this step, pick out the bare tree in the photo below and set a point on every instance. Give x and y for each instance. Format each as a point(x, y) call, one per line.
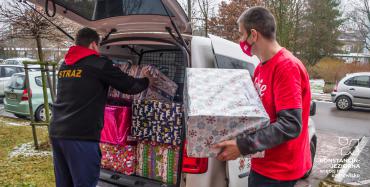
point(361, 17)
point(206, 7)
point(189, 6)
point(24, 23)
point(289, 15)
point(225, 23)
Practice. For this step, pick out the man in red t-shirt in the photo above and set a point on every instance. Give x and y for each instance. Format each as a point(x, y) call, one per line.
point(283, 85)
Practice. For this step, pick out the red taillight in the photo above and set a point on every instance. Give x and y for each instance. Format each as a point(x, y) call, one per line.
point(25, 95)
point(193, 165)
point(336, 87)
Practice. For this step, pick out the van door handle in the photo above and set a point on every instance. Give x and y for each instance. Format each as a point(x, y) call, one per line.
point(352, 89)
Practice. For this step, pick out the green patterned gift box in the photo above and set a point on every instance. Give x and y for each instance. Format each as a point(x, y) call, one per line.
point(157, 161)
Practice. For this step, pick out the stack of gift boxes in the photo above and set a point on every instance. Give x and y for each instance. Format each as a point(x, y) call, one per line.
point(143, 138)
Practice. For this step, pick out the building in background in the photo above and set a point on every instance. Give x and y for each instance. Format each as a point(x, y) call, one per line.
point(353, 48)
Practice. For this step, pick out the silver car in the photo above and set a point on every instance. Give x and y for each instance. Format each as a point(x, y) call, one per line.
point(352, 90)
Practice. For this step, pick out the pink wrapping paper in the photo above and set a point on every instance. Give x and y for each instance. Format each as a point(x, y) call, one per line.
point(162, 88)
point(117, 122)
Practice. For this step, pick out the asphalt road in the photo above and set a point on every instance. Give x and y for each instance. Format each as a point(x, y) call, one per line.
point(355, 122)
point(337, 132)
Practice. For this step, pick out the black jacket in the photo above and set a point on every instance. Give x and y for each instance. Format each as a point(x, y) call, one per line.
point(78, 112)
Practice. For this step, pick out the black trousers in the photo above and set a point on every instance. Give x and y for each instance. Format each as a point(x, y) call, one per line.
point(257, 180)
point(76, 163)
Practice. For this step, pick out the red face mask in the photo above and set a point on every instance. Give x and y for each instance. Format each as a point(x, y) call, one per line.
point(246, 48)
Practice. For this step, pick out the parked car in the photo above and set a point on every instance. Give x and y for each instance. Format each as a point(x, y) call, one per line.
point(6, 71)
point(352, 90)
point(16, 96)
point(158, 32)
point(18, 61)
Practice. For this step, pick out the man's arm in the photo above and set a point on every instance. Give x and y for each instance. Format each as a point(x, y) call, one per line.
point(288, 126)
point(121, 81)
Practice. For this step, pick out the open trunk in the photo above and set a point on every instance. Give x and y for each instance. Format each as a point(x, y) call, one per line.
point(171, 60)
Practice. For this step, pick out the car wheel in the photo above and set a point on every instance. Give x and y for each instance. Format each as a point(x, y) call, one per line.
point(40, 114)
point(343, 103)
point(313, 153)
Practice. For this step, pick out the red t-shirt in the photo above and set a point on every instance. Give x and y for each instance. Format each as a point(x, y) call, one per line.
point(283, 83)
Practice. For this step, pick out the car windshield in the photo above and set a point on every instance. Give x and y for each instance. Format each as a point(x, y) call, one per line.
point(98, 9)
point(17, 82)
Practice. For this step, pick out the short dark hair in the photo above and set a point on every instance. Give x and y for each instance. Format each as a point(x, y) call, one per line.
point(86, 36)
point(260, 19)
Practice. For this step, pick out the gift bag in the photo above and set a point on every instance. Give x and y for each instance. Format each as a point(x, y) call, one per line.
point(118, 158)
point(219, 105)
point(157, 121)
point(162, 88)
point(117, 123)
point(157, 161)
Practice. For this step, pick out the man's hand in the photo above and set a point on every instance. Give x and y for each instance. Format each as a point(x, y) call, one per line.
point(230, 150)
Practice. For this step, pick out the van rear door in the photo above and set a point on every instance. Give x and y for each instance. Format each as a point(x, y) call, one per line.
point(126, 16)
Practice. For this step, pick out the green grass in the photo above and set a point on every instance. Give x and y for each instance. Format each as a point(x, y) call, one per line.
point(23, 171)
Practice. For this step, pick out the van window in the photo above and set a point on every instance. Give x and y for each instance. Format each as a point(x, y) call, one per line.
point(224, 62)
point(360, 81)
point(17, 82)
point(97, 9)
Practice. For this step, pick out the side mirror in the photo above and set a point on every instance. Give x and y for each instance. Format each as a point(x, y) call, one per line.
point(313, 108)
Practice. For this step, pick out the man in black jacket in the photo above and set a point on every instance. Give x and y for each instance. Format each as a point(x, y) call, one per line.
point(78, 113)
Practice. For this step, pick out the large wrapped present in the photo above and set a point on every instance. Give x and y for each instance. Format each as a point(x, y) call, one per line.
point(161, 88)
point(117, 123)
point(220, 104)
point(157, 121)
point(118, 158)
point(157, 161)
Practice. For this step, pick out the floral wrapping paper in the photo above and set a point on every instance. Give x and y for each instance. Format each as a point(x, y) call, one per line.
point(219, 105)
point(162, 88)
point(157, 161)
point(157, 121)
point(118, 158)
point(117, 123)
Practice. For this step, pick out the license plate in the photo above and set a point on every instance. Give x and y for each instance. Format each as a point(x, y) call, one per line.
point(12, 96)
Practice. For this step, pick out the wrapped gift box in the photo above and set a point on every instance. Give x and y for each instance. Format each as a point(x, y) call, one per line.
point(157, 121)
point(157, 161)
point(219, 105)
point(118, 158)
point(117, 123)
point(162, 88)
